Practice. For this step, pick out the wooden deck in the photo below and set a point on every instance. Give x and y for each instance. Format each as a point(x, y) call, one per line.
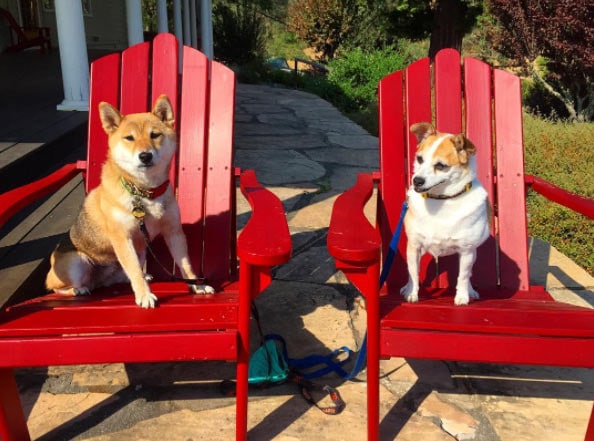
point(35, 139)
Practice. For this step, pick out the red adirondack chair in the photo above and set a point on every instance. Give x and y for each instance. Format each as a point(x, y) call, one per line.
point(517, 322)
point(107, 326)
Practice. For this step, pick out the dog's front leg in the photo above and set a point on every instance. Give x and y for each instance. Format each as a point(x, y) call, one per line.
point(410, 291)
point(464, 290)
point(176, 242)
point(126, 254)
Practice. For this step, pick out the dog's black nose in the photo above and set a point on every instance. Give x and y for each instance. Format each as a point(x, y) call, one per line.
point(418, 181)
point(145, 157)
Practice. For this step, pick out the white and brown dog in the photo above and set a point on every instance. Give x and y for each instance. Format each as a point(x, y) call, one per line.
point(107, 243)
point(448, 208)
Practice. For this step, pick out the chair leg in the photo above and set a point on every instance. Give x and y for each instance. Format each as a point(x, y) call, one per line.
point(373, 352)
point(373, 373)
point(13, 426)
point(246, 283)
point(590, 430)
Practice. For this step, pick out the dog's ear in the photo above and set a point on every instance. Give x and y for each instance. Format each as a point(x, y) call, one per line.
point(110, 117)
point(422, 130)
point(464, 147)
point(163, 110)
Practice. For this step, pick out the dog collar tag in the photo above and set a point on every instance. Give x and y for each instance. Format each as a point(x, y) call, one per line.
point(138, 210)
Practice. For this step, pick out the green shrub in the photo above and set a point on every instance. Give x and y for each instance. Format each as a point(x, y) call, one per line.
point(562, 154)
point(539, 101)
point(357, 74)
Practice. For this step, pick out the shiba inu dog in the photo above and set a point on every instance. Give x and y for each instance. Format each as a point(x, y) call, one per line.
point(133, 203)
point(448, 208)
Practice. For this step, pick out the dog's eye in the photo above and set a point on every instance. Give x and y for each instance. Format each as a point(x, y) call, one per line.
point(440, 166)
point(155, 135)
point(129, 138)
point(420, 159)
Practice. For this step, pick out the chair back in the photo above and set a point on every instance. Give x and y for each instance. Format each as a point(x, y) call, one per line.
point(485, 104)
point(203, 98)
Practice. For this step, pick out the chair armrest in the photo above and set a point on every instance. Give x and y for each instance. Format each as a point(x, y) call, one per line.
point(14, 200)
point(265, 240)
point(351, 237)
point(572, 201)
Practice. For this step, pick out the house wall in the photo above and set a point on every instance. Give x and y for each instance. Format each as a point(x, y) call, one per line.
point(105, 25)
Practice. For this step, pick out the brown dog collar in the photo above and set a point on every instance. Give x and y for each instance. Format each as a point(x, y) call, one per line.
point(428, 195)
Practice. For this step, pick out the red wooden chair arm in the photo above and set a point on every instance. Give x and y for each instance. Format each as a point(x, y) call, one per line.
point(572, 201)
point(14, 200)
point(265, 240)
point(351, 237)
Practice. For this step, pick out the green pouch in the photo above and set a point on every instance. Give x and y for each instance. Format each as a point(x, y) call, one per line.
point(268, 364)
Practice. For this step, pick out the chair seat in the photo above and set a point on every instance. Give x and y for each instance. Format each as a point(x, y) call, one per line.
point(524, 312)
point(114, 311)
point(526, 327)
point(63, 326)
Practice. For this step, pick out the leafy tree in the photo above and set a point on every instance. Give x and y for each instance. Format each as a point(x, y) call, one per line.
point(239, 33)
point(383, 22)
point(373, 24)
point(325, 24)
point(452, 19)
point(554, 41)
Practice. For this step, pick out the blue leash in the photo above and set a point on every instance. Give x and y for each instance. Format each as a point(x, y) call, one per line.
point(329, 360)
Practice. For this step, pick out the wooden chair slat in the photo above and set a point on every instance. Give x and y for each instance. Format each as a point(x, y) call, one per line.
point(511, 197)
point(219, 176)
point(393, 150)
point(448, 91)
point(192, 151)
point(134, 89)
point(479, 129)
point(165, 79)
point(105, 76)
point(448, 119)
point(417, 98)
point(164, 68)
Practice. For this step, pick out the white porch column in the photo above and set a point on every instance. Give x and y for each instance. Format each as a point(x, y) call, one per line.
point(134, 21)
point(162, 25)
point(177, 23)
point(177, 19)
point(206, 28)
point(193, 17)
point(187, 36)
point(73, 55)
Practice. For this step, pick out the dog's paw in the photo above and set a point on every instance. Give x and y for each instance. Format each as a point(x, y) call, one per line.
point(202, 289)
point(463, 296)
point(409, 293)
point(147, 301)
